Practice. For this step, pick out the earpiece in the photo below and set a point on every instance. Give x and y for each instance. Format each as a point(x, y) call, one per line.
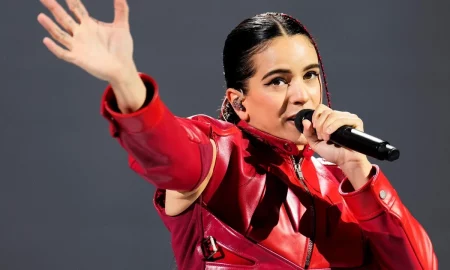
point(237, 104)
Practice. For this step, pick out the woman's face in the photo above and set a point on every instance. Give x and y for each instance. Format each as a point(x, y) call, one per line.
point(286, 81)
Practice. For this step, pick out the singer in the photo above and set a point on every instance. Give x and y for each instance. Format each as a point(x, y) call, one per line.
point(244, 191)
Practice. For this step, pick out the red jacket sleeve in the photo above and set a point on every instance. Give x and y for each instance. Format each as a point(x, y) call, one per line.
point(168, 151)
point(396, 238)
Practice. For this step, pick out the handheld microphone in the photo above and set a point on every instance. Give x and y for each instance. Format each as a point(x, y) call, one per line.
point(353, 139)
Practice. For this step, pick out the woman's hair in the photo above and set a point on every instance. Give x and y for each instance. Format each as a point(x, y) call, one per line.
point(250, 37)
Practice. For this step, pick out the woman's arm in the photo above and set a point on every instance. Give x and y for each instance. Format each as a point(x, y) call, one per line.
point(397, 239)
point(170, 152)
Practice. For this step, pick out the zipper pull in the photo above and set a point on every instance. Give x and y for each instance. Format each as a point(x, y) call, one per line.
point(299, 171)
point(297, 168)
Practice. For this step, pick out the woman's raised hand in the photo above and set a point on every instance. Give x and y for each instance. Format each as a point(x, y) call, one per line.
point(104, 50)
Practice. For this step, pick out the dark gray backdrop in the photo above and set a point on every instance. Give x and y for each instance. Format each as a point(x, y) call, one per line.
point(67, 197)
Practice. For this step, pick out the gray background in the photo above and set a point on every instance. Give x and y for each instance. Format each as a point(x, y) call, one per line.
point(67, 197)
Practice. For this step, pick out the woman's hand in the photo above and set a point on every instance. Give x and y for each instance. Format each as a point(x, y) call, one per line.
point(105, 50)
point(102, 49)
point(325, 121)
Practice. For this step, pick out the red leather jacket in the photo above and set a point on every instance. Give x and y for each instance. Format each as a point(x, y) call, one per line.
point(267, 205)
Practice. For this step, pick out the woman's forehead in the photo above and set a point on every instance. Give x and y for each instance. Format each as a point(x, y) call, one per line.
point(293, 52)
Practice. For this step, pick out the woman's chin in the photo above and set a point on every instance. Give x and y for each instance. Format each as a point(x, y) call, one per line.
point(298, 138)
point(301, 141)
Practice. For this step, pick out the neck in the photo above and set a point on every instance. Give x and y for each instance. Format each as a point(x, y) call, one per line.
point(300, 147)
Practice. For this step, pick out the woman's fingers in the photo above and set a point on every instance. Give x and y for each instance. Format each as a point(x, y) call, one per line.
point(121, 12)
point(60, 15)
point(58, 51)
point(55, 31)
point(78, 9)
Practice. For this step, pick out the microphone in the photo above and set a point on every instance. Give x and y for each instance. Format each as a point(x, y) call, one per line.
point(353, 139)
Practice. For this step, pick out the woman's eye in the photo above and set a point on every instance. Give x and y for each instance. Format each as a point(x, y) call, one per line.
point(311, 75)
point(278, 81)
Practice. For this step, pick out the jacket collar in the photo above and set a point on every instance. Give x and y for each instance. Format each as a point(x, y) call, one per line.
point(280, 145)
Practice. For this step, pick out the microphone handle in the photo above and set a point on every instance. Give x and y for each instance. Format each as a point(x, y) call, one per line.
point(361, 142)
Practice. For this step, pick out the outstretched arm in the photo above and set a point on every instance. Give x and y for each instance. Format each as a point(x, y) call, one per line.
point(171, 152)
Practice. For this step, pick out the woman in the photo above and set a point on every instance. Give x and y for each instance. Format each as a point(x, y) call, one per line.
point(245, 191)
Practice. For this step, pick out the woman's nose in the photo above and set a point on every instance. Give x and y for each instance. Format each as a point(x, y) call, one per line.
point(298, 93)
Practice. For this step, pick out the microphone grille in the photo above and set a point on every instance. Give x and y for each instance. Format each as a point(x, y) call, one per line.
point(302, 115)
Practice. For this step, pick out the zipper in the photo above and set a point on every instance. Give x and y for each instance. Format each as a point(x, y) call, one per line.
point(299, 174)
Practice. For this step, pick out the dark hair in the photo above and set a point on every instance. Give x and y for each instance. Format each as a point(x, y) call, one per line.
point(247, 39)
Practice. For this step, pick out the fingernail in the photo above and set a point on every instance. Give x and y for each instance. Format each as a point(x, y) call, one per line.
point(328, 130)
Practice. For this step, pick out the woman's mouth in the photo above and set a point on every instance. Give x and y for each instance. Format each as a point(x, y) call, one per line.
point(291, 119)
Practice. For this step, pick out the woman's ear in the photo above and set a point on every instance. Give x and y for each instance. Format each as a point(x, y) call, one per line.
point(236, 98)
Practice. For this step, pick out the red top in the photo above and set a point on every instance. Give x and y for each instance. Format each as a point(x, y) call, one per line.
point(267, 205)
